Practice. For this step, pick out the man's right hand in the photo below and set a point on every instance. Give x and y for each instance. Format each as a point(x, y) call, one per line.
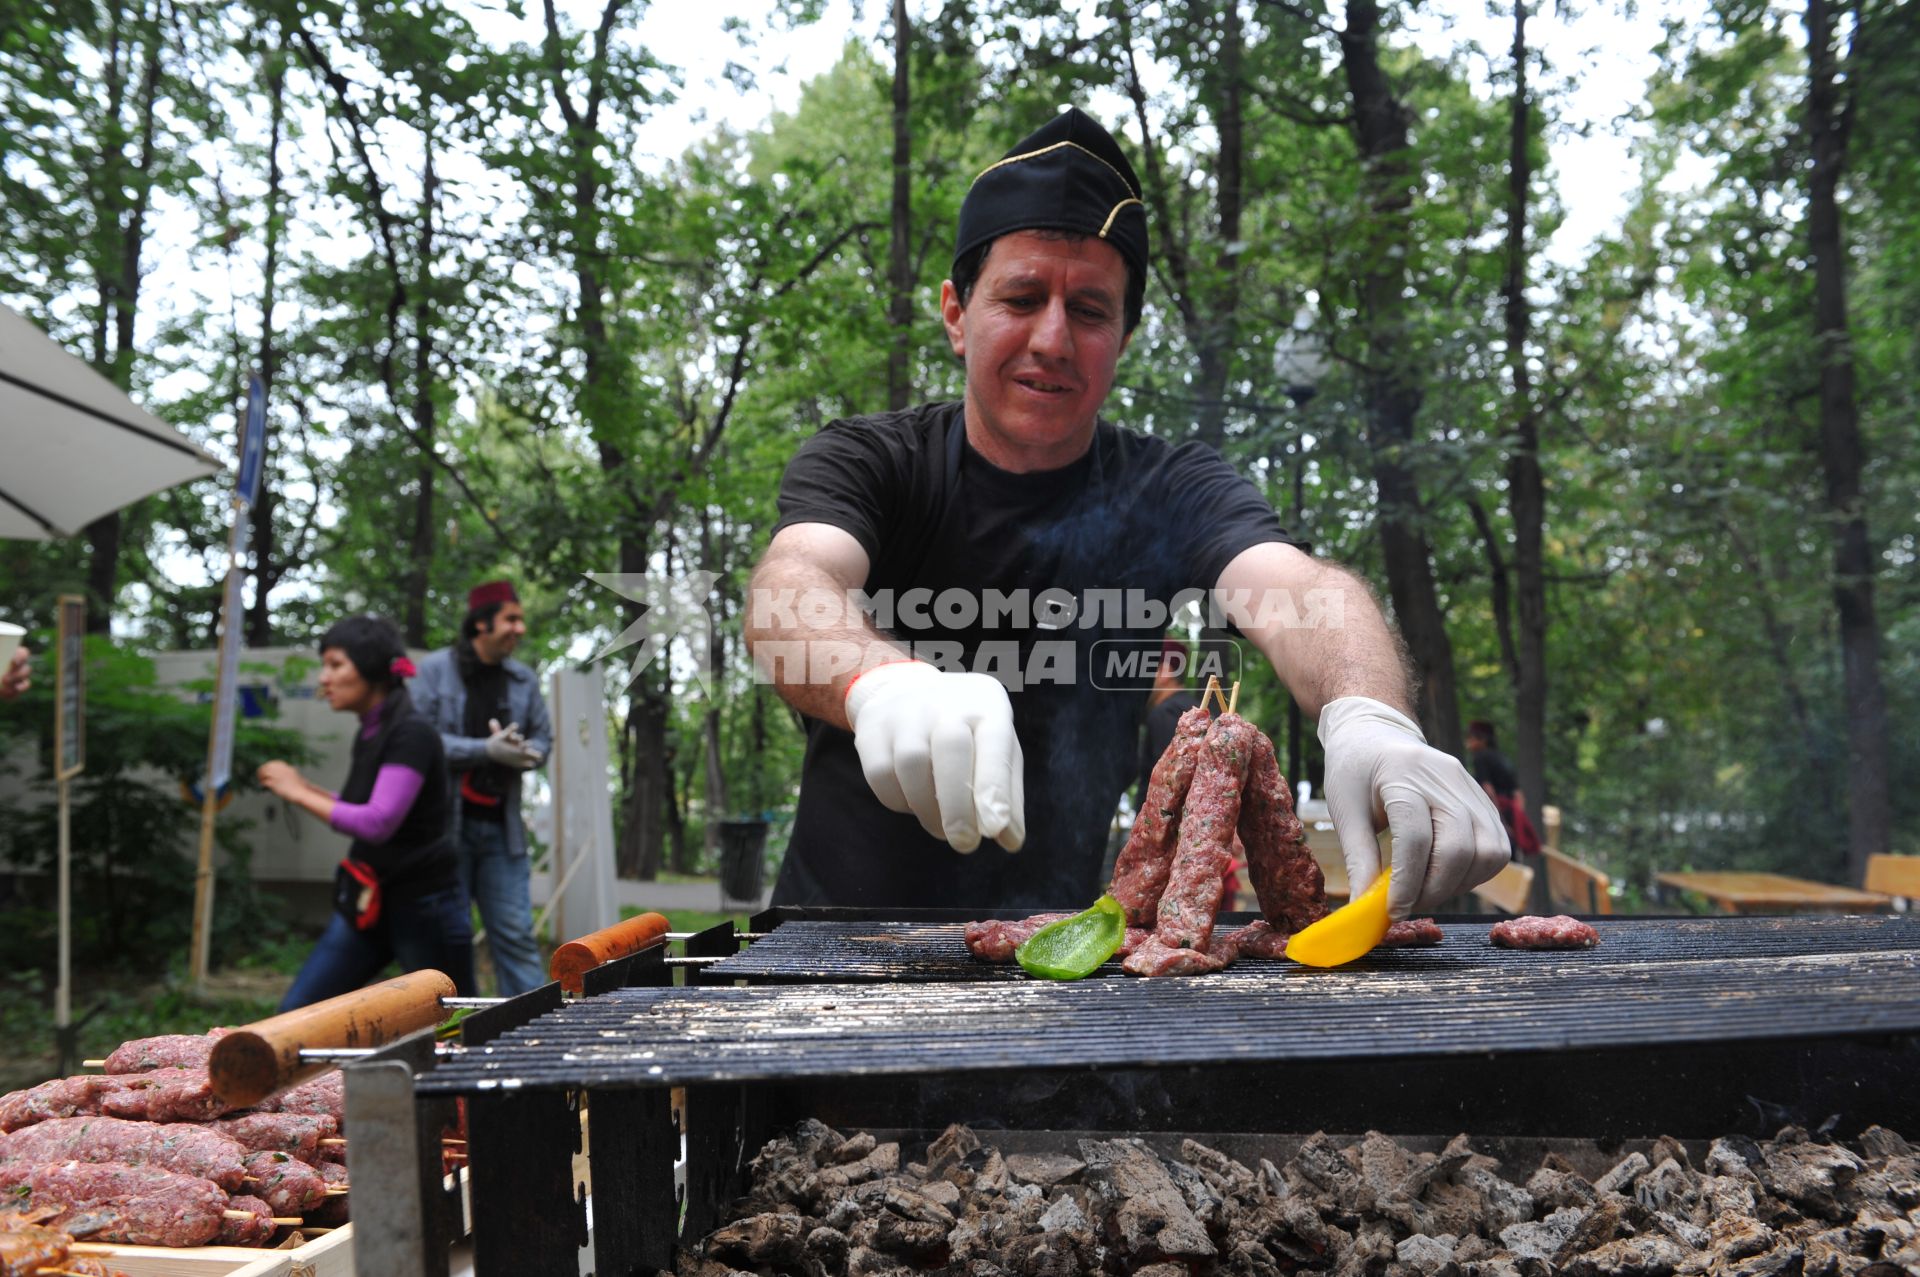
point(941, 746)
point(509, 748)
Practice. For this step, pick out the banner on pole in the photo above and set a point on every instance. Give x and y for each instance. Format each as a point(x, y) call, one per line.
point(253, 441)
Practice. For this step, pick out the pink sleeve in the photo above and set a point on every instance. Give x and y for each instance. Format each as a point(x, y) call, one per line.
point(375, 820)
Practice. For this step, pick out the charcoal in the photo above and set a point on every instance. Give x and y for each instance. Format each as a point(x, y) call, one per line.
point(1271, 1180)
point(1782, 1261)
point(1161, 1270)
point(1668, 1147)
point(1056, 1254)
point(1667, 1187)
point(1150, 1215)
point(945, 1152)
point(1290, 1227)
point(1628, 1257)
point(1737, 1235)
point(1552, 1188)
point(1733, 1155)
point(841, 1216)
point(943, 1192)
point(689, 1265)
point(829, 1247)
point(1202, 1158)
point(1505, 1203)
point(851, 1150)
point(865, 1261)
point(1809, 1175)
point(1687, 1233)
point(910, 1203)
point(1249, 1259)
point(1605, 1224)
point(1324, 1165)
point(989, 1170)
point(760, 1239)
point(829, 1180)
point(1044, 1169)
point(914, 1239)
point(1543, 1238)
point(816, 1140)
point(1064, 1213)
point(1878, 1141)
point(1629, 1169)
point(1424, 1254)
point(1368, 1253)
point(1384, 1169)
point(1729, 1194)
point(1203, 1199)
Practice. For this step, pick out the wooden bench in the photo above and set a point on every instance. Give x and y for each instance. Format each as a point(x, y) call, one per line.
point(1894, 876)
point(1574, 886)
point(1507, 890)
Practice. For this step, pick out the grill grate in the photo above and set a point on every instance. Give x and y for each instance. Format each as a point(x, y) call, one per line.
point(1271, 1013)
point(834, 951)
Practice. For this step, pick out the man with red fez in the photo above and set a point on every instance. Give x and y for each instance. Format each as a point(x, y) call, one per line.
point(494, 724)
point(1023, 516)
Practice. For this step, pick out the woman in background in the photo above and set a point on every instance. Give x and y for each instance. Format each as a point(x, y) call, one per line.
point(397, 894)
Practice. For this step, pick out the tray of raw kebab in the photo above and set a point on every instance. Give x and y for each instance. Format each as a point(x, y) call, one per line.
point(191, 1154)
point(1214, 798)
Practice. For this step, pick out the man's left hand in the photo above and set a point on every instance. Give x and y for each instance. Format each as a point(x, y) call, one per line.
point(1447, 837)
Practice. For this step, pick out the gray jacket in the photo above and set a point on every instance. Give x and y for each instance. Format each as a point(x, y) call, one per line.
point(439, 694)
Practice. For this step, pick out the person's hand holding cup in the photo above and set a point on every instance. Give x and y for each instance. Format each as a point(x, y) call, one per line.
point(15, 675)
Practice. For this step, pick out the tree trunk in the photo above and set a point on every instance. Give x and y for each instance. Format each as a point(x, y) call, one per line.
point(120, 277)
point(641, 840)
point(1843, 452)
point(900, 258)
point(420, 550)
point(1391, 385)
point(266, 572)
point(1526, 490)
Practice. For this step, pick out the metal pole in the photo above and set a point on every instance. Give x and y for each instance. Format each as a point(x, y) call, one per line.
point(63, 990)
point(202, 948)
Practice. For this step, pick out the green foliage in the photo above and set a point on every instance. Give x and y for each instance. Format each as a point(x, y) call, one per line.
point(133, 834)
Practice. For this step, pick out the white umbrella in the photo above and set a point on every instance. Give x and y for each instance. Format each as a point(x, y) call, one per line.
point(72, 445)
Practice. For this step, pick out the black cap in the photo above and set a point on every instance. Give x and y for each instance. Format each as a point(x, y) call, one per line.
point(1068, 175)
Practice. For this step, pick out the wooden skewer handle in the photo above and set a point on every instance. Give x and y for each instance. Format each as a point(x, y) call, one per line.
point(250, 1064)
point(572, 960)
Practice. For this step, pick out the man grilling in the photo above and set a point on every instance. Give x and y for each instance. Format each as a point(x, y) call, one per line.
point(1007, 547)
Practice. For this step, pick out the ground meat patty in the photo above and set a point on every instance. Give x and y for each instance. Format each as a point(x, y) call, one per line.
point(995, 941)
point(331, 1210)
point(139, 1205)
point(1286, 878)
point(1557, 932)
point(164, 1095)
point(1261, 940)
point(1141, 869)
point(1204, 847)
point(181, 1147)
point(168, 1051)
point(256, 1229)
point(325, 1096)
point(62, 1097)
point(1412, 933)
point(285, 1183)
point(296, 1133)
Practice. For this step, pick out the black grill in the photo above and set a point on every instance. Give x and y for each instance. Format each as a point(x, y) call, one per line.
point(1689, 1027)
point(817, 950)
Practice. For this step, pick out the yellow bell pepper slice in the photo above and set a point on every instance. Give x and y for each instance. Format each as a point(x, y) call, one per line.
point(1348, 932)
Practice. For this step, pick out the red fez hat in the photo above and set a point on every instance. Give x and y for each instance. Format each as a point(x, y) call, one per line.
point(491, 592)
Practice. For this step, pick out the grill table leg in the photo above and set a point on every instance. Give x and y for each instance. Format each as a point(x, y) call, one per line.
point(526, 1221)
point(631, 1146)
point(406, 1217)
point(726, 1127)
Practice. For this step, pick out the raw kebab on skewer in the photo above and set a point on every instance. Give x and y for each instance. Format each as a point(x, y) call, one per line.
point(1216, 789)
point(110, 1158)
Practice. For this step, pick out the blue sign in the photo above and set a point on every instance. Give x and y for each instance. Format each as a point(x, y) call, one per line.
point(253, 441)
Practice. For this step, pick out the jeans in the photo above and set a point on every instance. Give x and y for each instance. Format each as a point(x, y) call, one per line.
point(431, 931)
point(496, 880)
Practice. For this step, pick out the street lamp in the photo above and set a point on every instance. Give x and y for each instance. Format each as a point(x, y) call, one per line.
point(1299, 362)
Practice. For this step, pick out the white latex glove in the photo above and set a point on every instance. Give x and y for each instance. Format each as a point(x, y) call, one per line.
point(1447, 837)
point(509, 748)
point(942, 747)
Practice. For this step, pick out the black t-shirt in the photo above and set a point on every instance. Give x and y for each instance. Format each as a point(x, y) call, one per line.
point(1490, 767)
point(418, 858)
point(484, 786)
point(1135, 514)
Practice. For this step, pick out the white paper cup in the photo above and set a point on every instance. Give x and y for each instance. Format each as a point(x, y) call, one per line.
point(9, 639)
